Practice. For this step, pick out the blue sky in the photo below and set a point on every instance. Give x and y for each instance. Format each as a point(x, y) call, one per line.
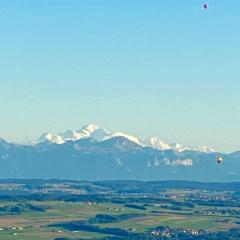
point(147, 67)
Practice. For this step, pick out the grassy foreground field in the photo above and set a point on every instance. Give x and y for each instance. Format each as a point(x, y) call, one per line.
point(35, 225)
point(112, 214)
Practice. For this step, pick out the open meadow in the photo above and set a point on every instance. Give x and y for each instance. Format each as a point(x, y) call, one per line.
point(107, 210)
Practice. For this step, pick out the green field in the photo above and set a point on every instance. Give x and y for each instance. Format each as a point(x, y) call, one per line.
point(34, 225)
point(52, 210)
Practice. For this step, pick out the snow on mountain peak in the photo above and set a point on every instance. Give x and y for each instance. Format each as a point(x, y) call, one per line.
point(100, 134)
point(121, 134)
point(89, 127)
point(87, 130)
point(205, 149)
point(51, 138)
point(69, 135)
point(156, 143)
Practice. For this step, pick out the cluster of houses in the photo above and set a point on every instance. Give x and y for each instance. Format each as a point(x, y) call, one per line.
point(168, 232)
point(12, 229)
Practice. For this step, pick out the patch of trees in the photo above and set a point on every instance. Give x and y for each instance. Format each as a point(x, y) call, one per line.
point(105, 218)
point(20, 208)
point(82, 226)
point(135, 206)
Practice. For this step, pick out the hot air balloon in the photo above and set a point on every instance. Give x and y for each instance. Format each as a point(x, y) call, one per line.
point(219, 159)
point(205, 6)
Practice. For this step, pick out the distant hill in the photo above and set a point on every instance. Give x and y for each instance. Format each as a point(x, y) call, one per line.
point(114, 157)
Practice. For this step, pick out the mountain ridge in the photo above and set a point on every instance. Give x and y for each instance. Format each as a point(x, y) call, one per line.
point(101, 134)
point(93, 153)
point(114, 158)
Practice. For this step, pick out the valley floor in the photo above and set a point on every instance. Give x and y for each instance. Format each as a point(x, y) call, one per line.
point(116, 210)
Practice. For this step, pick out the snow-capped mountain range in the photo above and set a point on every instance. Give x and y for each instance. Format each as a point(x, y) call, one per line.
point(95, 153)
point(100, 134)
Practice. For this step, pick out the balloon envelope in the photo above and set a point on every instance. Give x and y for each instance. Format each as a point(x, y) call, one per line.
point(205, 6)
point(219, 159)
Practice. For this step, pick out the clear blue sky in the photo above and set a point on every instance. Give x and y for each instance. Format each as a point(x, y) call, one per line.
point(147, 67)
